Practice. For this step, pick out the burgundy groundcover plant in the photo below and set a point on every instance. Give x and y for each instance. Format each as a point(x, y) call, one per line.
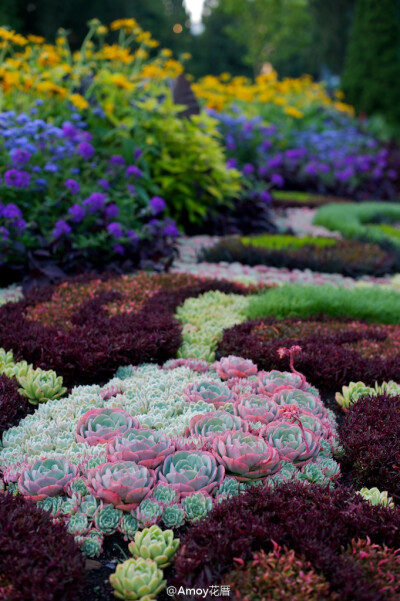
point(370, 436)
point(39, 561)
point(13, 406)
point(334, 352)
point(332, 532)
point(87, 342)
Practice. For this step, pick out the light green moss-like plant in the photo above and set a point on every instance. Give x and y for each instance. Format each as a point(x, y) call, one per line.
point(371, 304)
point(41, 386)
point(154, 543)
point(204, 318)
point(137, 580)
point(286, 241)
point(358, 223)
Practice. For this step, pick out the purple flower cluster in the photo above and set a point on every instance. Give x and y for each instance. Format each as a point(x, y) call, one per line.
point(337, 155)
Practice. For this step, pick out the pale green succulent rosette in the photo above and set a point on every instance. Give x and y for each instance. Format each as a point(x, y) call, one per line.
point(40, 386)
point(137, 580)
point(376, 497)
point(156, 544)
point(351, 393)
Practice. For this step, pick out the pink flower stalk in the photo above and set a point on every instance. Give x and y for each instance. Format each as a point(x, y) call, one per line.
point(293, 350)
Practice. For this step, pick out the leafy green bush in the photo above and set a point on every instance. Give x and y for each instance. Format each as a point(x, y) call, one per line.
point(276, 242)
point(185, 157)
point(356, 221)
point(371, 304)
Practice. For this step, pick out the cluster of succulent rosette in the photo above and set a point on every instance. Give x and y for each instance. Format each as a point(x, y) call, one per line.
point(163, 445)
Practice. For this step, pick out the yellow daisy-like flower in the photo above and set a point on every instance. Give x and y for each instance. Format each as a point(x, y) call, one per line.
point(121, 82)
point(102, 30)
point(127, 24)
point(293, 112)
point(166, 52)
point(35, 39)
point(78, 101)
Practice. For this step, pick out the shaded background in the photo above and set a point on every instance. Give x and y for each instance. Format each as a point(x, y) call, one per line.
point(355, 43)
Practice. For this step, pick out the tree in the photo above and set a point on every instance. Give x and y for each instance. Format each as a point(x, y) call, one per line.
point(44, 17)
point(213, 51)
point(275, 31)
point(372, 70)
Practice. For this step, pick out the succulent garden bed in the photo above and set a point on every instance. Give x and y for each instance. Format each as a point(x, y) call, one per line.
point(217, 415)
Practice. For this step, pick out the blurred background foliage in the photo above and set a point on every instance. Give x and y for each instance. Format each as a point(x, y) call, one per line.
point(356, 42)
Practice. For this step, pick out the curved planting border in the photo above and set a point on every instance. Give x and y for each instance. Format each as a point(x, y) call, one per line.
point(326, 359)
point(97, 343)
point(347, 257)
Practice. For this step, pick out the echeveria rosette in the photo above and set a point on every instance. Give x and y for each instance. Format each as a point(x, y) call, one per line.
point(197, 506)
point(257, 407)
point(46, 478)
point(173, 516)
point(98, 426)
point(137, 580)
point(123, 484)
point(217, 422)
point(303, 400)
point(274, 381)
point(293, 443)
point(191, 471)
point(156, 544)
point(143, 446)
point(209, 391)
point(246, 457)
point(40, 386)
point(376, 497)
point(235, 367)
point(148, 513)
point(352, 393)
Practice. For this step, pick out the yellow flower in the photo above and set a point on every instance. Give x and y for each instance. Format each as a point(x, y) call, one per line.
point(36, 39)
point(121, 82)
point(166, 52)
point(102, 30)
point(127, 24)
point(141, 54)
point(293, 112)
point(109, 108)
point(79, 101)
point(186, 56)
point(225, 76)
point(51, 88)
point(143, 36)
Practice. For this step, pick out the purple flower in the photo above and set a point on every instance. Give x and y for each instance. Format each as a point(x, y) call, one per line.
point(51, 167)
point(138, 153)
point(20, 156)
point(86, 150)
point(61, 228)
point(277, 180)
point(231, 163)
point(131, 189)
point(117, 159)
point(157, 204)
point(77, 213)
point(10, 211)
point(4, 233)
point(111, 211)
point(119, 249)
point(115, 230)
point(72, 186)
point(17, 179)
point(41, 182)
point(70, 131)
point(95, 201)
point(171, 230)
point(262, 171)
point(132, 236)
point(276, 161)
point(104, 184)
point(133, 170)
point(265, 197)
point(248, 169)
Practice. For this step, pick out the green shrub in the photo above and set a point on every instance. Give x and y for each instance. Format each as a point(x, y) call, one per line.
point(276, 242)
point(370, 304)
point(356, 221)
